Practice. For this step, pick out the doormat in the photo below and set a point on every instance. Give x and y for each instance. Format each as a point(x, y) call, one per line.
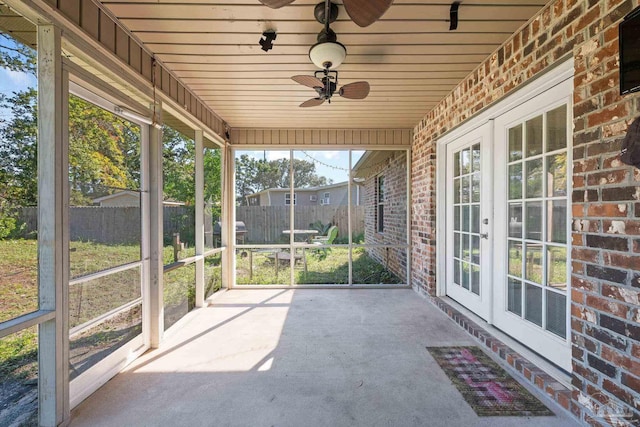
point(486, 387)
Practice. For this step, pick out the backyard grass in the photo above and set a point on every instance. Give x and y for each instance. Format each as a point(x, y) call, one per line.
point(333, 268)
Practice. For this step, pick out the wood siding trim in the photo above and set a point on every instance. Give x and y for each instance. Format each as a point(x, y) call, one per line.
point(326, 137)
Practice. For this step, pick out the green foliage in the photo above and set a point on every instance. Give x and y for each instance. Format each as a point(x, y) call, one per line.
point(104, 152)
point(322, 228)
point(15, 56)
point(253, 175)
point(178, 166)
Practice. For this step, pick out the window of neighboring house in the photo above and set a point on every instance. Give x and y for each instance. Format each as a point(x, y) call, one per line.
point(380, 203)
point(327, 198)
point(287, 198)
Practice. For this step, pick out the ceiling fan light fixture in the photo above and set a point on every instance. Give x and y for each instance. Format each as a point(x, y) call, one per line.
point(328, 54)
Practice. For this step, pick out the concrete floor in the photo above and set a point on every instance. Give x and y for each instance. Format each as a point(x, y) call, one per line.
point(298, 358)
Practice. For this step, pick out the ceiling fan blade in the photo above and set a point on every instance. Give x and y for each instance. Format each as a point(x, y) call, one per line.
point(366, 12)
point(313, 102)
point(355, 90)
point(309, 81)
point(275, 4)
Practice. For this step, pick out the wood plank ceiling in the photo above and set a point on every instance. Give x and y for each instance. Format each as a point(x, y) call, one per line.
point(409, 57)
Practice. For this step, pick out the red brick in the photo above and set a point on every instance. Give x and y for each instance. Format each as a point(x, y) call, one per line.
point(608, 306)
point(608, 209)
point(608, 114)
point(585, 254)
point(620, 360)
point(635, 351)
point(623, 261)
point(607, 177)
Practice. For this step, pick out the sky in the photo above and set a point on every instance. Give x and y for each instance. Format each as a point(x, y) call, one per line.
point(13, 81)
point(333, 164)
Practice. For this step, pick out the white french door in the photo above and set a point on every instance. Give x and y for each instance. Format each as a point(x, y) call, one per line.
point(469, 218)
point(506, 177)
point(532, 208)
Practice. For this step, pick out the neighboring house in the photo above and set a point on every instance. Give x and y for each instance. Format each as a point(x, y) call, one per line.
point(326, 195)
point(382, 177)
point(119, 199)
point(126, 198)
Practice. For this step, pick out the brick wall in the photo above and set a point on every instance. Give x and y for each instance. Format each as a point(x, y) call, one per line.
point(394, 170)
point(606, 199)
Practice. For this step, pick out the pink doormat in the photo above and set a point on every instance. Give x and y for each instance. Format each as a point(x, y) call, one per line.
point(486, 387)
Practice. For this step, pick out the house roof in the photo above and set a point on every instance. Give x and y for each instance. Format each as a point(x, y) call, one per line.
point(307, 189)
point(369, 162)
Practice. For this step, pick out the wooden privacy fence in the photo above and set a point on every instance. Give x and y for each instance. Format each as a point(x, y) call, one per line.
point(117, 225)
point(266, 223)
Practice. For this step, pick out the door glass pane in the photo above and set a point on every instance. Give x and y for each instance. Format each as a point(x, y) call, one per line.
point(466, 255)
point(466, 189)
point(456, 163)
point(557, 129)
point(466, 217)
point(456, 218)
point(475, 219)
point(456, 190)
point(533, 262)
point(475, 279)
point(515, 143)
point(466, 161)
point(466, 274)
point(514, 296)
point(533, 217)
point(557, 227)
point(475, 187)
point(456, 272)
point(534, 178)
point(515, 258)
point(556, 307)
point(475, 158)
point(515, 219)
point(533, 136)
point(557, 267)
point(456, 245)
point(515, 181)
point(475, 249)
point(533, 304)
point(557, 175)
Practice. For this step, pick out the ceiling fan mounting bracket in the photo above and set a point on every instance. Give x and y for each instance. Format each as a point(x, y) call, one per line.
point(320, 12)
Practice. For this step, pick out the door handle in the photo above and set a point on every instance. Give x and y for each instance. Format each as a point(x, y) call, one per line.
point(484, 235)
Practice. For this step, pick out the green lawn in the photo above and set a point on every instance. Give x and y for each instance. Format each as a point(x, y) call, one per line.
point(258, 268)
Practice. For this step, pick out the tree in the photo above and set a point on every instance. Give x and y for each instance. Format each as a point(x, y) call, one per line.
point(178, 166)
point(253, 175)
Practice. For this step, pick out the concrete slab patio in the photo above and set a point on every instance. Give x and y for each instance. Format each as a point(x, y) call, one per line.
point(298, 358)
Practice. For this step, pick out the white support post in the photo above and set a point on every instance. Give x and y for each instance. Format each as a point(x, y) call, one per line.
point(53, 262)
point(156, 246)
point(349, 216)
point(199, 206)
point(228, 217)
point(145, 133)
point(409, 216)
